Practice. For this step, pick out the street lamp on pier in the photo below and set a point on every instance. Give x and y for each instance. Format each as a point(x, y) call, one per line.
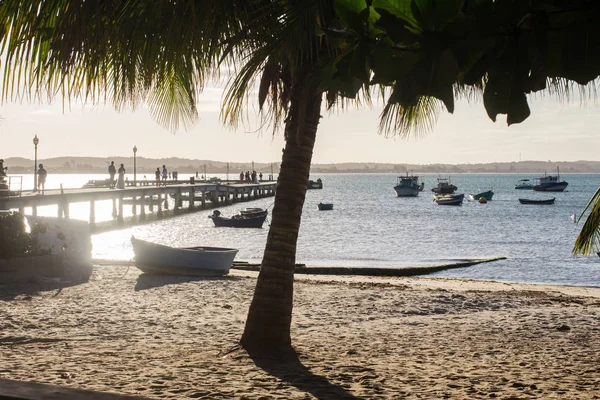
point(134, 166)
point(36, 140)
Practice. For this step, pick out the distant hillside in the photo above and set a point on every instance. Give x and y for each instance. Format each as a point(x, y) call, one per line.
point(99, 165)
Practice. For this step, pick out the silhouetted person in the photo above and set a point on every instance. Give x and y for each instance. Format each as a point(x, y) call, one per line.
point(41, 178)
point(157, 176)
point(112, 170)
point(2, 168)
point(121, 179)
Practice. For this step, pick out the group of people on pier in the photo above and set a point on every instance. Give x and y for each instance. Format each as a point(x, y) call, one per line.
point(250, 177)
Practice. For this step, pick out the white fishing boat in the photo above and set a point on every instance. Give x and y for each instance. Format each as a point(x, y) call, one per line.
point(408, 186)
point(444, 186)
point(161, 259)
point(524, 184)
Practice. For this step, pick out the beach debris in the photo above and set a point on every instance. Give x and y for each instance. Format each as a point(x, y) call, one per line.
point(563, 328)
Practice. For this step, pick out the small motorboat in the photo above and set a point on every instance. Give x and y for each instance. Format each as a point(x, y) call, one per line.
point(486, 195)
point(325, 206)
point(531, 201)
point(524, 184)
point(449, 199)
point(161, 259)
point(244, 219)
point(318, 184)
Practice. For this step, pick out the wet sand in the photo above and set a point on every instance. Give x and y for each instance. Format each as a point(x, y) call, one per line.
point(358, 337)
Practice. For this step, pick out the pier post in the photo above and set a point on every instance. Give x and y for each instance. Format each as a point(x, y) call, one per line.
point(92, 214)
point(235, 196)
point(120, 214)
point(22, 210)
point(143, 207)
point(203, 199)
point(114, 212)
point(192, 195)
point(159, 211)
point(134, 206)
point(34, 211)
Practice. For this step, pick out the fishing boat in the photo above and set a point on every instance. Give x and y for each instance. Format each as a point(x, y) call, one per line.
point(444, 186)
point(240, 220)
point(408, 186)
point(532, 201)
point(449, 199)
point(524, 184)
point(325, 206)
point(161, 259)
point(486, 195)
point(550, 183)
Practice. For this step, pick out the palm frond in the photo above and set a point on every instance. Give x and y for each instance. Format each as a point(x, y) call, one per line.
point(589, 237)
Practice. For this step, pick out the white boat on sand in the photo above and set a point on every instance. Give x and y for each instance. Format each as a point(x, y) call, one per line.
point(160, 259)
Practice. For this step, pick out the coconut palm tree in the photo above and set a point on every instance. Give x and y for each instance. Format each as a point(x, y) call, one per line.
point(418, 54)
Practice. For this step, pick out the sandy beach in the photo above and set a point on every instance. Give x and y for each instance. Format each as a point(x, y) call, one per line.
point(357, 337)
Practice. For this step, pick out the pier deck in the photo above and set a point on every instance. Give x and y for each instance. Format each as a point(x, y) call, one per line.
point(196, 195)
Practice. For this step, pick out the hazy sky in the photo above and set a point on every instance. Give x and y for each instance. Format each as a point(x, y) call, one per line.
point(554, 131)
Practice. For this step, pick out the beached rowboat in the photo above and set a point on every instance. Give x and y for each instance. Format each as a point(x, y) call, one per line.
point(160, 259)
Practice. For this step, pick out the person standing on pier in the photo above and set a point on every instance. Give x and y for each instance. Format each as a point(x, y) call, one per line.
point(111, 173)
point(157, 176)
point(41, 178)
point(2, 168)
point(121, 179)
point(165, 174)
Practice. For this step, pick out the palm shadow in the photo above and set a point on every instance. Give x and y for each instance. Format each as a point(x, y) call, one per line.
point(291, 370)
point(148, 281)
point(25, 290)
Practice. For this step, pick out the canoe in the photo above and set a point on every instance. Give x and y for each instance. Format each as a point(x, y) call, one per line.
point(530, 201)
point(325, 206)
point(159, 259)
point(241, 220)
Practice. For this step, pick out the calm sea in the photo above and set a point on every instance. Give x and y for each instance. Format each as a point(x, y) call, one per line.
point(370, 226)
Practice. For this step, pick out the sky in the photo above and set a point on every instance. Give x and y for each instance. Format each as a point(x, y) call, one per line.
point(555, 131)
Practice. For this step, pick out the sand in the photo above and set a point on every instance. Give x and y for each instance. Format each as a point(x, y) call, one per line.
point(371, 338)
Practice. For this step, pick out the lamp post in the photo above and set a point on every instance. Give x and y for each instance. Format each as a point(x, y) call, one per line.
point(36, 140)
point(134, 166)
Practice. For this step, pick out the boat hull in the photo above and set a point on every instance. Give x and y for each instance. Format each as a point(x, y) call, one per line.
point(157, 258)
point(407, 191)
point(531, 201)
point(556, 187)
point(325, 206)
point(243, 222)
point(486, 195)
point(449, 199)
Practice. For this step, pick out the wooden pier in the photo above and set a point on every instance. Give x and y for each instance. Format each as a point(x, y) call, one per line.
point(192, 195)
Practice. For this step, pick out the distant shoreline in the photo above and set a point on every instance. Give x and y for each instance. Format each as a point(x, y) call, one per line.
point(98, 165)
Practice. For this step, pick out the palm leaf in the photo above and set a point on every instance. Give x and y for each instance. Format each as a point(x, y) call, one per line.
point(589, 237)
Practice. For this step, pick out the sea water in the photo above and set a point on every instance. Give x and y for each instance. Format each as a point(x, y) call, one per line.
point(371, 227)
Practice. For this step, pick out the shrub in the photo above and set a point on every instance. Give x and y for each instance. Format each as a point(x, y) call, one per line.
point(15, 241)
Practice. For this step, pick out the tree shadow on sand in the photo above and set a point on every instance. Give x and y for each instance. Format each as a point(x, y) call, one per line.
point(291, 370)
point(149, 281)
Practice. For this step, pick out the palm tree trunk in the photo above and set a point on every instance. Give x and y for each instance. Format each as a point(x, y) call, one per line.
point(270, 316)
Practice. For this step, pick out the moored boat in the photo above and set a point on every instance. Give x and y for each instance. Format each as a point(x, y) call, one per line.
point(550, 183)
point(524, 184)
point(444, 186)
point(408, 186)
point(240, 220)
point(318, 184)
point(486, 195)
point(449, 199)
point(534, 201)
point(325, 206)
point(97, 183)
point(161, 259)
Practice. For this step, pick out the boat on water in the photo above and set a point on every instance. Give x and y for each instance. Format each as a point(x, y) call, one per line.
point(318, 184)
point(444, 186)
point(550, 183)
point(325, 206)
point(524, 184)
point(244, 219)
point(486, 195)
point(97, 183)
point(160, 259)
point(408, 186)
point(533, 201)
point(449, 199)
